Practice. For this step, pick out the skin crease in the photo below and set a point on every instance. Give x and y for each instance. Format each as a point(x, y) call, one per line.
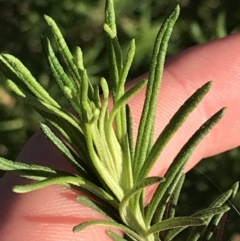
point(49, 214)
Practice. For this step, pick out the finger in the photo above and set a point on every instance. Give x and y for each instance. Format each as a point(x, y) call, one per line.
point(218, 61)
point(46, 214)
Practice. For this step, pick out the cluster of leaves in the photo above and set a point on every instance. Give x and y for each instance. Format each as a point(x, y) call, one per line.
point(22, 20)
point(110, 169)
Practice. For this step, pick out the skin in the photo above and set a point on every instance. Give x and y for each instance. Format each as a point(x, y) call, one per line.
point(50, 213)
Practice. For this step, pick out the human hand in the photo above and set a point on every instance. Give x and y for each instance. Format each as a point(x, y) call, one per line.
point(50, 213)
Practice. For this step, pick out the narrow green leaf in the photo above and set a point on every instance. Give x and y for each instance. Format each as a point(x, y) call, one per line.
point(71, 134)
point(109, 224)
point(113, 65)
point(125, 69)
point(190, 146)
point(130, 131)
point(221, 199)
point(115, 54)
point(208, 231)
point(79, 58)
point(104, 175)
point(126, 179)
point(114, 49)
point(64, 51)
point(63, 121)
point(111, 161)
point(174, 124)
point(213, 222)
point(176, 168)
point(110, 16)
point(115, 237)
point(124, 208)
point(120, 118)
point(15, 88)
point(219, 223)
point(206, 215)
point(125, 98)
point(61, 147)
point(48, 108)
point(175, 197)
point(175, 223)
point(235, 189)
point(156, 70)
point(16, 71)
point(30, 171)
point(56, 68)
point(212, 217)
point(8, 165)
point(60, 120)
point(104, 107)
point(162, 206)
point(84, 101)
point(210, 212)
point(122, 138)
point(68, 181)
point(102, 150)
point(64, 82)
point(50, 112)
point(51, 181)
point(170, 202)
point(90, 89)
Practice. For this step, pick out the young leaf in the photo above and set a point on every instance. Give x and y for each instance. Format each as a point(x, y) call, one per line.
point(115, 237)
point(8, 165)
point(130, 131)
point(124, 208)
point(162, 206)
point(125, 98)
point(205, 215)
point(170, 129)
point(175, 169)
point(148, 115)
point(64, 82)
point(16, 71)
point(62, 148)
point(125, 70)
point(68, 181)
point(64, 51)
point(108, 224)
point(175, 223)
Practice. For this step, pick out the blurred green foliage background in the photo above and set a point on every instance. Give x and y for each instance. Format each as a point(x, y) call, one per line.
point(22, 23)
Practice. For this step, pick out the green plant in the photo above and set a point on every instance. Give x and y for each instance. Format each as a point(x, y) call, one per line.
point(113, 171)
